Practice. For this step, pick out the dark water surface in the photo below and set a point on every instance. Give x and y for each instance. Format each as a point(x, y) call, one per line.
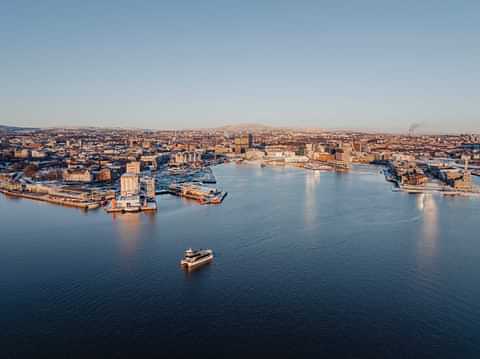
point(307, 264)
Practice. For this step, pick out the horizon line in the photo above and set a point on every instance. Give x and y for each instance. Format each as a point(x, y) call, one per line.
point(253, 126)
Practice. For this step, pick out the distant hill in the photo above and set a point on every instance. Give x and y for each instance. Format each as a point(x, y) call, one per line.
point(4, 128)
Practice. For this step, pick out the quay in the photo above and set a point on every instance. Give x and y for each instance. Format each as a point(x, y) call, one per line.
point(52, 199)
point(445, 190)
point(131, 205)
point(430, 188)
point(422, 177)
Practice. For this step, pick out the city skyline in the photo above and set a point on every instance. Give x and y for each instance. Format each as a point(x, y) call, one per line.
point(370, 65)
point(419, 129)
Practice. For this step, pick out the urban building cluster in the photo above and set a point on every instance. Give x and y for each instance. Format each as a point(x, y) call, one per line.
point(90, 168)
point(123, 170)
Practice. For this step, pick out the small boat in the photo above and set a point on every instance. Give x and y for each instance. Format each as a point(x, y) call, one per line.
point(317, 167)
point(196, 258)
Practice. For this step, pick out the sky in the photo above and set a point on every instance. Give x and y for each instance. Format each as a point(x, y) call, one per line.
point(364, 64)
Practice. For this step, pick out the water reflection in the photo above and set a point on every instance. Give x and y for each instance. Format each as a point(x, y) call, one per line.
point(312, 180)
point(190, 273)
point(427, 245)
point(151, 215)
point(128, 228)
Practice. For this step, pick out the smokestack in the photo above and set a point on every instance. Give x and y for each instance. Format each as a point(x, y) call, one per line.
point(413, 127)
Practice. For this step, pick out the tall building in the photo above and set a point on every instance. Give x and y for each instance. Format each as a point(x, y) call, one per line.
point(465, 182)
point(344, 153)
point(150, 187)
point(129, 185)
point(243, 143)
point(343, 156)
point(133, 167)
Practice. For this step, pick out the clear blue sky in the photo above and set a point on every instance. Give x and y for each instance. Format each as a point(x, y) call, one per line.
point(174, 64)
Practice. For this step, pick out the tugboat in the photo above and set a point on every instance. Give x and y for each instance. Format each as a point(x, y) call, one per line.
point(196, 258)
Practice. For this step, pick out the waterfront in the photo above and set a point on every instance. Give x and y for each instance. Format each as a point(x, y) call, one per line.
point(305, 262)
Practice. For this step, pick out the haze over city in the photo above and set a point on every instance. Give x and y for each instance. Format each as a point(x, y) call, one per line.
point(373, 65)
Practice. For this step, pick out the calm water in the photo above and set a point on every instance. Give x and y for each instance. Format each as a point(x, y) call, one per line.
point(333, 264)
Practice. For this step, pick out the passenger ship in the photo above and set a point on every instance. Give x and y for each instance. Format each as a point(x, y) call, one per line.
point(195, 258)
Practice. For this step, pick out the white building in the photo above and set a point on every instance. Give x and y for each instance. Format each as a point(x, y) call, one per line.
point(22, 153)
point(150, 186)
point(296, 159)
point(77, 175)
point(131, 203)
point(38, 154)
point(254, 154)
point(129, 185)
point(185, 157)
point(149, 161)
point(133, 167)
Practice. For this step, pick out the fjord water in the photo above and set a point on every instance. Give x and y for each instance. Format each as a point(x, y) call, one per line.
point(306, 263)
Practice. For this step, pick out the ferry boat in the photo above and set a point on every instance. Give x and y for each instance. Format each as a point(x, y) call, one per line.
point(202, 194)
point(195, 258)
point(317, 167)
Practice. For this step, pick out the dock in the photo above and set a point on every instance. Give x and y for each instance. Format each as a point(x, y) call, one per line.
point(131, 204)
point(52, 199)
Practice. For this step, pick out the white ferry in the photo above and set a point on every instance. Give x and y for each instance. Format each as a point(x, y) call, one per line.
point(195, 258)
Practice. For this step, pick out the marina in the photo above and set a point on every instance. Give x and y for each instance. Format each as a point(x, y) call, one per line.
point(139, 193)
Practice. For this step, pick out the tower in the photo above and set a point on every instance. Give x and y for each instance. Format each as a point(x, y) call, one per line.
point(150, 187)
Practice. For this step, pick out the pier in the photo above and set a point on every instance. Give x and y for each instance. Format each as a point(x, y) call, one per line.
point(52, 199)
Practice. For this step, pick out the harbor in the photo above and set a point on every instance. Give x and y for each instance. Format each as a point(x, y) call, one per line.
point(134, 191)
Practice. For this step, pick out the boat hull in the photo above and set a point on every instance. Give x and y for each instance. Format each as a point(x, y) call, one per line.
point(196, 264)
